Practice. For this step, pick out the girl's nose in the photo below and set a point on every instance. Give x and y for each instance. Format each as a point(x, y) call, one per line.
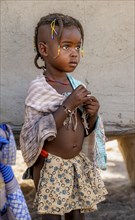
point(73, 53)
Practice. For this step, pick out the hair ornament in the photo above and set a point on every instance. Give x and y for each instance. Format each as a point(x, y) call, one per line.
point(58, 50)
point(58, 53)
point(53, 28)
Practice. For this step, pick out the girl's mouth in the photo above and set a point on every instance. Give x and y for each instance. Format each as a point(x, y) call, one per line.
point(73, 63)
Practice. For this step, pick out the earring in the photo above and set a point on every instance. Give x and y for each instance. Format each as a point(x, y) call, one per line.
point(82, 52)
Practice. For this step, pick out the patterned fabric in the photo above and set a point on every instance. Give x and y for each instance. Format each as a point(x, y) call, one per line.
point(94, 146)
point(7, 145)
point(42, 100)
point(14, 206)
point(18, 208)
point(12, 202)
point(68, 184)
point(100, 152)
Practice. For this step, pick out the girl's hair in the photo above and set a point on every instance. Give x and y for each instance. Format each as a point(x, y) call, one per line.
point(61, 21)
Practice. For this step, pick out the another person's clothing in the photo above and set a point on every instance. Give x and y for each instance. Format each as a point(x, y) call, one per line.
point(12, 201)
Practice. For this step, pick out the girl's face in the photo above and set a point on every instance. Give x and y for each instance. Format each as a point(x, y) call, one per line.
point(68, 57)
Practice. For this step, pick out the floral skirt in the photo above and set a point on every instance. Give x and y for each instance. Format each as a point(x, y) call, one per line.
point(68, 184)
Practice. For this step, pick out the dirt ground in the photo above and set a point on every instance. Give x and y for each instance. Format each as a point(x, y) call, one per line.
point(120, 201)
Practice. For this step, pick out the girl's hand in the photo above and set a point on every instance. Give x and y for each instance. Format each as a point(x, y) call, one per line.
point(78, 97)
point(92, 106)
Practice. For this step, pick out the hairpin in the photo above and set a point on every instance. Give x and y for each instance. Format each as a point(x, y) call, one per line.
point(53, 28)
point(58, 50)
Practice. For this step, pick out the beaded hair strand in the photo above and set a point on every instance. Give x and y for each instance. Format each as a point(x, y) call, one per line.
point(61, 21)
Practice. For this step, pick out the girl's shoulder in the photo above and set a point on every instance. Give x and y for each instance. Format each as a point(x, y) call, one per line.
point(38, 80)
point(36, 89)
point(37, 85)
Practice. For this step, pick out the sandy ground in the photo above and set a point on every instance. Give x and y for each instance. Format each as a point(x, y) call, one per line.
point(120, 201)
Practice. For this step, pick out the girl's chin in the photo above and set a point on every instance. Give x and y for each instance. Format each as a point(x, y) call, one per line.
point(71, 68)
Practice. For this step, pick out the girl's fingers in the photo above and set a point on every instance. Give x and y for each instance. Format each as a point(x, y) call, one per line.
point(93, 98)
point(81, 88)
point(90, 103)
point(91, 109)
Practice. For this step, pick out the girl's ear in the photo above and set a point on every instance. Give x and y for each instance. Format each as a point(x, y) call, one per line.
point(43, 49)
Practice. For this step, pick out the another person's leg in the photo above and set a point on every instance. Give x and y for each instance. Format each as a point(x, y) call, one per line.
point(74, 215)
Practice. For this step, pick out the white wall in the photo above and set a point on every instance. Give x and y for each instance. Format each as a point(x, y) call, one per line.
point(107, 67)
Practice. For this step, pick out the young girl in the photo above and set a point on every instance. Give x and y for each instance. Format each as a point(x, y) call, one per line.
point(60, 112)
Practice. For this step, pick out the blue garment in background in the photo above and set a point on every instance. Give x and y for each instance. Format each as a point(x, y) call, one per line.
point(12, 202)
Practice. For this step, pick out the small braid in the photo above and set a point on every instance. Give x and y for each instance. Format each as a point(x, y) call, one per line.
point(61, 21)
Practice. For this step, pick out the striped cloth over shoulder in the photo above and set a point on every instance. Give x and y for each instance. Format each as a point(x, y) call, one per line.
point(39, 123)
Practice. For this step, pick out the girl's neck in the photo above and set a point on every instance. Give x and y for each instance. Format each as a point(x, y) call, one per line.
point(64, 83)
point(56, 75)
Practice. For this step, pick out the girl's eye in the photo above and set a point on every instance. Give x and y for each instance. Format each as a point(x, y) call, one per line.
point(66, 47)
point(78, 47)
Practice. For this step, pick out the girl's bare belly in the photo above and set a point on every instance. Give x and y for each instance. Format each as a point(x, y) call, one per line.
point(68, 143)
